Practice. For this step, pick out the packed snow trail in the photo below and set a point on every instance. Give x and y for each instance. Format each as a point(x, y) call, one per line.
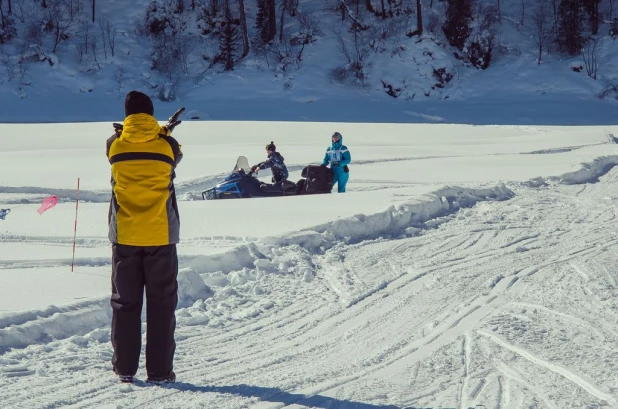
point(481, 293)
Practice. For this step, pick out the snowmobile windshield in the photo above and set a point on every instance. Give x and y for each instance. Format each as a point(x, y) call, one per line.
point(241, 163)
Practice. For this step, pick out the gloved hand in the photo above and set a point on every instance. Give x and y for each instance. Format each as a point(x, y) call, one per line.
point(171, 125)
point(335, 164)
point(173, 121)
point(255, 169)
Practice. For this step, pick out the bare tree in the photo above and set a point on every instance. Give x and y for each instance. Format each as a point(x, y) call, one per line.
point(355, 58)
point(119, 77)
point(59, 19)
point(93, 46)
point(23, 64)
point(102, 23)
point(524, 7)
point(610, 11)
point(84, 33)
point(93, 8)
point(419, 18)
point(21, 15)
point(542, 27)
point(9, 65)
point(353, 16)
point(289, 6)
point(185, 46)
point(243, 29)
point(590, 52)
point(109, 31)
point(555, 4)
point(293, 7)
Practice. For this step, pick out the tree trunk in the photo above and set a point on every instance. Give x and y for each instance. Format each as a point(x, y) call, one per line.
point(93, 7)
point(10, 7)
point(272, 21)
point(243, 28)
point(555, 7)
point(383, 11)
point(2, 23)
point(523, 14)
point(594, 18)
point(419, 18)
point(369, 6)
point(281, 21)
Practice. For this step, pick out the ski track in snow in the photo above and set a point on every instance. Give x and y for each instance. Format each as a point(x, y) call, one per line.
point(473, 273)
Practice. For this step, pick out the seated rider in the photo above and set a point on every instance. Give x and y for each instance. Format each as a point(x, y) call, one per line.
point(276, 165)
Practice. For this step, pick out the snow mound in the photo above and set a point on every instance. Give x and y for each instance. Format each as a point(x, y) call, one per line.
point(191, 287)
point(394, 221)
point(21, 330)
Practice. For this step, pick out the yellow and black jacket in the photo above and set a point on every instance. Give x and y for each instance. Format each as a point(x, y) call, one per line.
point(143, 210)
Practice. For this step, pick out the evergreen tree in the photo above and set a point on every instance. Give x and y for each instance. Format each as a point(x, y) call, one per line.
point(230, 38)
point(265, 21)
point(458, 16)
point(592, 8)
point(571, 19)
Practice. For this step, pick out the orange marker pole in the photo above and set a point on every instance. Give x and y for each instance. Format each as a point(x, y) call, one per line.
point(75, 227)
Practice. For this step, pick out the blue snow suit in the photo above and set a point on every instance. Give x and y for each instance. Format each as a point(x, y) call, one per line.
point(276, 165)
point(339, 157)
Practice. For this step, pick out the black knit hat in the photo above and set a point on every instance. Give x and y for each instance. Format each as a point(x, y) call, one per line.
point(138, 103)
point(271, 147)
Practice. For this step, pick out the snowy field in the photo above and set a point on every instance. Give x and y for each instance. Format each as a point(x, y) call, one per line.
point(466, 267)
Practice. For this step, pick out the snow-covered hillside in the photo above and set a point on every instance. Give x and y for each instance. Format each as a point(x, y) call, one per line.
point(466, 267)
point(77, 83)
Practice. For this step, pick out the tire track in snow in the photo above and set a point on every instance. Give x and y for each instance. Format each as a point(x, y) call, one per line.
point(564, 372)
point(568, 317)
point(465, 356)
point(510, 373)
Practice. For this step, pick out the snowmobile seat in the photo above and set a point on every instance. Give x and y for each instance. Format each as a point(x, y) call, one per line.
point(288, 187)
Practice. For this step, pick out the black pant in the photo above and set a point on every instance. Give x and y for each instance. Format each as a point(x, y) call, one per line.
point(133, 269)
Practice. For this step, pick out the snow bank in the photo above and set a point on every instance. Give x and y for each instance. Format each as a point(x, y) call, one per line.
point(23, 329)
point(403, 219)
point(18, 330)
point(589, 173)
point(234, 259)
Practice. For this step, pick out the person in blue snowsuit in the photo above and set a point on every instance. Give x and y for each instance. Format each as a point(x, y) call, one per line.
point(276, 165)
point(339, 158)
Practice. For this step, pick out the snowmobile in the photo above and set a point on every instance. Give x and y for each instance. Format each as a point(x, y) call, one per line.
point(242, 184)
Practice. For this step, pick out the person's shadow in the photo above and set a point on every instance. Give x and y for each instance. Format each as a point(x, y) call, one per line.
point(277, 395)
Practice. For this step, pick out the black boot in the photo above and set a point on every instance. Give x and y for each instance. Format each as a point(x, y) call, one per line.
point(169, 378)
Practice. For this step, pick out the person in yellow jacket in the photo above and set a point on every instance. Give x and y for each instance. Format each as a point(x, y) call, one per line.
point(144, 228)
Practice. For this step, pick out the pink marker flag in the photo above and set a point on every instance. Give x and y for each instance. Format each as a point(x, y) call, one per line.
point(47, 204)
